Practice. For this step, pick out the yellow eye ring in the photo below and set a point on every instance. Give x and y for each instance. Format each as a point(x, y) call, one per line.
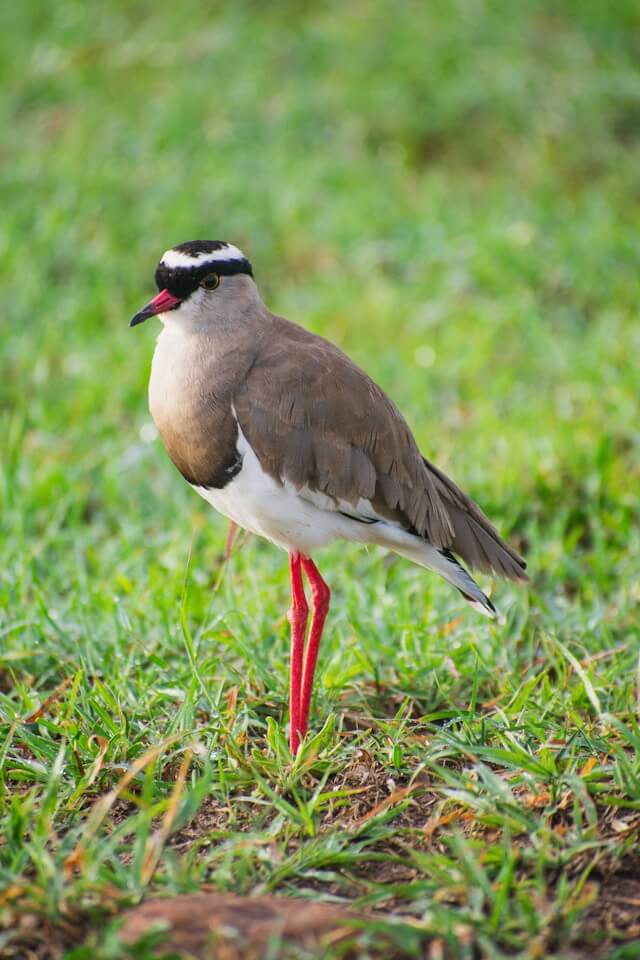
point(211, 281)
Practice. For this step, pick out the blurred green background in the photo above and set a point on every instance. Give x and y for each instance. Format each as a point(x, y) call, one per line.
point(451, 192)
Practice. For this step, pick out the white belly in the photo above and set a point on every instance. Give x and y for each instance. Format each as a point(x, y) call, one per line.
point(258, 503)
point(304, 520)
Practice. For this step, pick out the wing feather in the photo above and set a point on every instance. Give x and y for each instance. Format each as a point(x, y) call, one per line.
point(317, 420)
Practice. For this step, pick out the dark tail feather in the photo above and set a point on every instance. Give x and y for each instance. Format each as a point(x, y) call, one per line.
point(475, 539)
point(453, 571)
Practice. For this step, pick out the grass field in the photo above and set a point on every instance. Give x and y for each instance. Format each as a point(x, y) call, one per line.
point(450, 191)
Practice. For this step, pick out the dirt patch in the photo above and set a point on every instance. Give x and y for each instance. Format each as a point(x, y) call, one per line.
point(614, 917)
point(212, 816)
point(228, 927)
point(30, 936)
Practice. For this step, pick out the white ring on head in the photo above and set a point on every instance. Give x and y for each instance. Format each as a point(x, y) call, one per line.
point(176, 258)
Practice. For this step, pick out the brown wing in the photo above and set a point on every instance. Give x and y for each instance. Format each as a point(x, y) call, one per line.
point(475, 539)
point(315, 419)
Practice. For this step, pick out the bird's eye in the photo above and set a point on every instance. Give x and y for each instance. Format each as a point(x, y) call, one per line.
point(211, 281)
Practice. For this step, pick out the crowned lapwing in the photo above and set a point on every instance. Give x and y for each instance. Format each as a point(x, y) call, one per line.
point(281, 432)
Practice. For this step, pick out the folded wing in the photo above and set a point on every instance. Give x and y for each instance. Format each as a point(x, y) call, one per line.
point(317, 420)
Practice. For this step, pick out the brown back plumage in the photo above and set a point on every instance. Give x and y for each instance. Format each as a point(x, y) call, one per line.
point(317, 420)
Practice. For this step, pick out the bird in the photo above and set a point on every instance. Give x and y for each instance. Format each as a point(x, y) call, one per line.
point(281, 432)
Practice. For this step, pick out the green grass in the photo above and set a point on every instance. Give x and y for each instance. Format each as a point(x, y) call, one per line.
point(450, 192)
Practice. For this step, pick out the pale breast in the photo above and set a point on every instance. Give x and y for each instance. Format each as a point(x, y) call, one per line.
point(190, 401)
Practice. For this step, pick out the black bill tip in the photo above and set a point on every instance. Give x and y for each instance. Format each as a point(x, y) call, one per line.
point(140, 317)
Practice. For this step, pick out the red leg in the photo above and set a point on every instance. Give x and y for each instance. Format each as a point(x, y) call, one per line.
point(232, 533)
point(298, 616)
point(321, 596)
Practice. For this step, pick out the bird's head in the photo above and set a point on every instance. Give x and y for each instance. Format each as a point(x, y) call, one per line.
point(198, 281)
